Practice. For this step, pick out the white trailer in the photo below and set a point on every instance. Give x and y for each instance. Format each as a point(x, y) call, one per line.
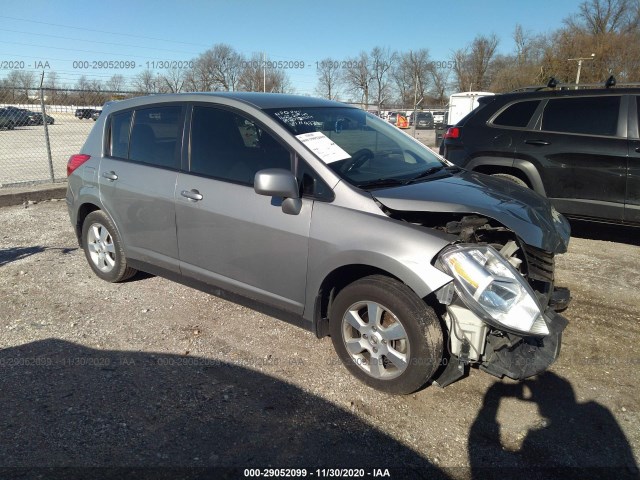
point(460, 104)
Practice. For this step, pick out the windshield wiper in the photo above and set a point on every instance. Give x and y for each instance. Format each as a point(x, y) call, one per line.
point(381, 182)
point(427, 173)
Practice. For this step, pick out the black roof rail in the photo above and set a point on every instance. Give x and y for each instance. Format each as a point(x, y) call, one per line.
point(554, 85)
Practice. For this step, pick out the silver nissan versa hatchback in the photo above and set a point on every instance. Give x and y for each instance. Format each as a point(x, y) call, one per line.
point(326, 216)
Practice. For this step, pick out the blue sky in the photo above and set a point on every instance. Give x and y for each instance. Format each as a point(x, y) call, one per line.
point(61, 32)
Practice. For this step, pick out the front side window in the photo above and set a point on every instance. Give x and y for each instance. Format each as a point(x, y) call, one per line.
point(517, 115)
point(228, 146)
point(361, 148)
point(586, 115)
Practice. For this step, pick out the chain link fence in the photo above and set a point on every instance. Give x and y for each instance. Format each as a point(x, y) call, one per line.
point(41, 128)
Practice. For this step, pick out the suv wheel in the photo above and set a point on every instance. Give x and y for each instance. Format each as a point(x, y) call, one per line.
point(386, 335)
point(103, 248)
point(511, 178)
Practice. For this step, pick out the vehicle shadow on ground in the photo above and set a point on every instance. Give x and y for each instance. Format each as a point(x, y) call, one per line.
point(65, 405)
point(8, 255)
point(574, 440)
point(605, 232)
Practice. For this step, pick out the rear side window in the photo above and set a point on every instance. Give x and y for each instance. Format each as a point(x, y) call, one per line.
point(587, 115)
point(120, 127)
point(156, 135)
point(228, 146)
point(517, 115)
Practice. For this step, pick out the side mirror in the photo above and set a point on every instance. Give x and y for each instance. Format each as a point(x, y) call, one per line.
point(277, 182)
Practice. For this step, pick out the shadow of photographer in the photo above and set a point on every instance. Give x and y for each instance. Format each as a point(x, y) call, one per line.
point(117, 414)
point(574, 440)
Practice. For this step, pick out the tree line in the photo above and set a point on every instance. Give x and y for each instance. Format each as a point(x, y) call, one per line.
point(605, 31)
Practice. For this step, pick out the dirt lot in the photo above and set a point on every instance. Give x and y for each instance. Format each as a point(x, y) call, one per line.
point(152, 373)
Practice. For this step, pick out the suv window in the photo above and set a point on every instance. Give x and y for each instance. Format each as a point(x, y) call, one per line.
point(228, 146)
point(586, 115)
point(517, 115)
point(155, 136)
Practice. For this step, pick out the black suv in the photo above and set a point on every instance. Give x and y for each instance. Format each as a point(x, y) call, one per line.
point(580, 148)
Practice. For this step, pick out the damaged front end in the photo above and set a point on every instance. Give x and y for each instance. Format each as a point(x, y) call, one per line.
point(493, 315)
point(500, 309)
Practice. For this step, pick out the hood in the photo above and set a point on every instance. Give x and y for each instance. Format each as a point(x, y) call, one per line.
point(528, 214)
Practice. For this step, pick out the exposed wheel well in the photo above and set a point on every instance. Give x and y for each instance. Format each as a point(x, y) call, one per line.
point(84, 210)
point(491, 169)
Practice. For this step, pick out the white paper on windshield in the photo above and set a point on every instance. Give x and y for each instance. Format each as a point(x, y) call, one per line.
point(323, 147)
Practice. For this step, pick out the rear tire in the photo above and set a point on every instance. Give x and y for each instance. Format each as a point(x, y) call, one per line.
point(103, 248)
point(386, 335)
point(511, 178)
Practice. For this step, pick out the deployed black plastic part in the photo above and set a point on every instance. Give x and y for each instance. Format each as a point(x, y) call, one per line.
point(526, 358)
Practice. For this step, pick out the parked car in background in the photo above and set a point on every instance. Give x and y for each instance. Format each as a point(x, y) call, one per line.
point(330, 218)
point(20, 116)
point(579, 148)
point(95, 115)
point(7, 119)
point(35, 118)
point(392, 118)
point(439, 117)
point(425, 120)
point(82, 113)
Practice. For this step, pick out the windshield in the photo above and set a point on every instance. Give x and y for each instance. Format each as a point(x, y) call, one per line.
point(363, 149)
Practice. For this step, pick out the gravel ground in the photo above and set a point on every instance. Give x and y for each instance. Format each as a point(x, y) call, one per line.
point(150, 373)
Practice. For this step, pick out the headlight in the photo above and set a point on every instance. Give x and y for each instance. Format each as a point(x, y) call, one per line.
point(490, 286)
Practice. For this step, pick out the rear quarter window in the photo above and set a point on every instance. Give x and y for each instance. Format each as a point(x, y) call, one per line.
point(517, 115)
point(586, 115)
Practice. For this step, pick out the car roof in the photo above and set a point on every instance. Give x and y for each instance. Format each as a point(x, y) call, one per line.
point(256, 99)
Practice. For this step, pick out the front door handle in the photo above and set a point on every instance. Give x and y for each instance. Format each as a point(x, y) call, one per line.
point(192, 195)
point(638, 149)
point(537, 142)
point(110, 175)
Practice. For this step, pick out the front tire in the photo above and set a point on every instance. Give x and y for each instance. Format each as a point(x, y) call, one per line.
point(103, 248)
point(385, 335)
point(511, 178)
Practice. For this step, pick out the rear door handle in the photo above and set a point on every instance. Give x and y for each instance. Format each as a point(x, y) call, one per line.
point(193, 195)
point(638, 149)
point(110, 175)
point(537, 142)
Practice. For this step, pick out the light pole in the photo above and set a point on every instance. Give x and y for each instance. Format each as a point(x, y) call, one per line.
point(579, 60)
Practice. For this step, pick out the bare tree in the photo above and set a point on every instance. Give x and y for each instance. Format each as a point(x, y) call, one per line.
point(415, 75)
point(116, 83)
point(602, 17)
point(173, 80)
point(219, 68)
point(471, 64)
point(440, 81)
point(358, 77)
point(259, 75)
point(329, 78)
point(382, 62)
point(145, 82)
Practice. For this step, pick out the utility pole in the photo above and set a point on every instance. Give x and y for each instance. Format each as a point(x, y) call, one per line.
point(580, 60)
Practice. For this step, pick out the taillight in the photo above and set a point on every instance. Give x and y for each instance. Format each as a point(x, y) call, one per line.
point(452, 132)
point(75, 161)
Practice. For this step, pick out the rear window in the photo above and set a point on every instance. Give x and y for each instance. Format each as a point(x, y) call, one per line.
point(154, 138)
point(517, 115)
point(586, 115)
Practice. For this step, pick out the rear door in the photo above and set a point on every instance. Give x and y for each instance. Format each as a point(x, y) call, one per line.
point(228, 235)
point(581, 149)
point(138, 178)
point(632, 205)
